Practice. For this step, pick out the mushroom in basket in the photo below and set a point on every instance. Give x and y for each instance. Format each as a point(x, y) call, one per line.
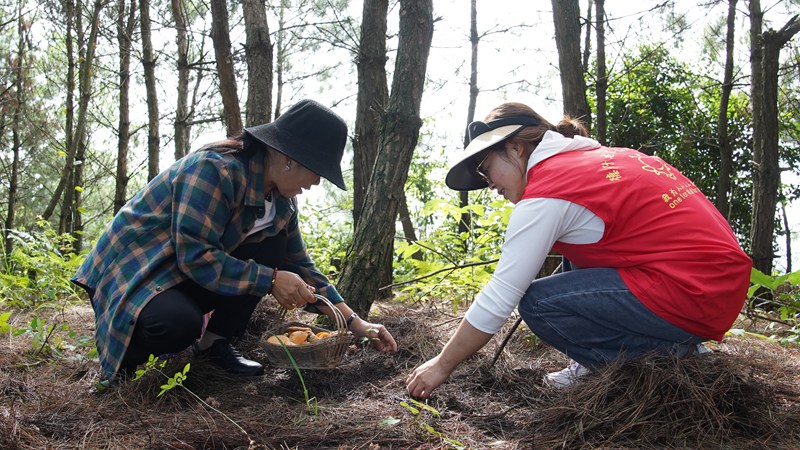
point(297, 336)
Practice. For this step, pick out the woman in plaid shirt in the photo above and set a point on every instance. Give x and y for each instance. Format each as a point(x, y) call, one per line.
point(217, 231)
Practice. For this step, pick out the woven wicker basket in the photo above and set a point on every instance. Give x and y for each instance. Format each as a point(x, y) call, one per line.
point(326, 353)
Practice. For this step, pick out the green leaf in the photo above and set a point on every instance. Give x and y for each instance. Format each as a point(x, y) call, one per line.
point(794, 278)
point(5, 327)
point(759, 280)
point(413, 410)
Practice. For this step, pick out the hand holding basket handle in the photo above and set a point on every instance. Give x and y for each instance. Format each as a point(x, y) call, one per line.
point(290, 291)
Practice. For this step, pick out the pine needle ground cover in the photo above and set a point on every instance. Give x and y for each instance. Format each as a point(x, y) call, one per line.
point(746, 394)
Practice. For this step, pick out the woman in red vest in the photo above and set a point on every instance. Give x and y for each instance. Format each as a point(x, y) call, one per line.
point(650, 264)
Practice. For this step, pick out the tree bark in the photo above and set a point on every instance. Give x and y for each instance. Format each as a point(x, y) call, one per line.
point(258, 50)
point(602, 76)
point(373, 95)
point(371, 102)
point(587, 40)
point(66, 200)
point(566, 17)
point(76, 138)
point(463, 197)
point(149, 64)
point(125, 28)
point(367, 255)
point(18, 103)
point(788, 235)
point(182, 115)
point(227, 77)
point(280, 50)
point(765, 51)
point(725, 149)
point(69, 119)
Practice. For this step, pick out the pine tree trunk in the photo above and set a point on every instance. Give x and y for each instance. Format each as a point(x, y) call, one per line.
point(182, 126)
point(788, 235)
point(280, 50)
point(258, 50)
point(765, 52)
point(69, 120)
point(725, 149)
point(18, 103)
point(373, 95)
point(587, 40)
point(79, 136)
point(227, 77)
point(566, 16)
point(367, 255)
point(149, 64)
point(463, 197)
point(124, 33)
point(602, 76)
point(371, 103)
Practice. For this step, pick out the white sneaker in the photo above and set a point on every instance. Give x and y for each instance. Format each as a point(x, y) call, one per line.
point(703, 350)
point(567, 376)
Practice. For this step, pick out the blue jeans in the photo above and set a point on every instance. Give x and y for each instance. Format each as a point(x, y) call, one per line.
point(592, 317)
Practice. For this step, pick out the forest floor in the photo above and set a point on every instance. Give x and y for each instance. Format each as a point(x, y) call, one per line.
point(746, 394)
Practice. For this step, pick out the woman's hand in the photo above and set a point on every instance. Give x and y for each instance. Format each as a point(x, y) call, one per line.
point(427, 377)
point(378, 335)
point(291, 291)
point(464, 343)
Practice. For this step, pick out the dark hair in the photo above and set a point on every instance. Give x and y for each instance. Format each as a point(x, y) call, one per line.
point(242, 142)
point(568, 126)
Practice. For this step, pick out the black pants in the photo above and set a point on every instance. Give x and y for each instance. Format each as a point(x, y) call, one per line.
point(173, 319)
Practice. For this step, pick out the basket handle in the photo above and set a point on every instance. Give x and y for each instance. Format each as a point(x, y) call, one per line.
point(341, 323)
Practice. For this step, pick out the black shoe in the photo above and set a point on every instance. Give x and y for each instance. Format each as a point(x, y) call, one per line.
point(230, 360)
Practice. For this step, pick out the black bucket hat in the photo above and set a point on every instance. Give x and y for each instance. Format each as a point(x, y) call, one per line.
point(463, 175)
point(310, 134)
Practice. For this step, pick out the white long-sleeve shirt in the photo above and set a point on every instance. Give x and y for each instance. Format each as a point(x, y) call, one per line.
point(535, 224)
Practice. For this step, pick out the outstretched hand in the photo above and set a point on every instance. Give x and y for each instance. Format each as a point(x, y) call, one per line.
point(424, 379)
point(378, 335)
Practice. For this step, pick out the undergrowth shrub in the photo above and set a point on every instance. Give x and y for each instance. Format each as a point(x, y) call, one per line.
point(453, 266)
point(37, 271)
point(776, 299)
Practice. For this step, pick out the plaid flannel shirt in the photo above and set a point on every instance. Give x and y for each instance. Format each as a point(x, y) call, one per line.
point(183, 226)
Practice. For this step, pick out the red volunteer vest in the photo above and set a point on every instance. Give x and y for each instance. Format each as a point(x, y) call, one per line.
point(671, 246)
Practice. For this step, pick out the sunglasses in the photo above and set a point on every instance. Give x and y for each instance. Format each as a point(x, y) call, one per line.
point(483, 173)
point(478, 128)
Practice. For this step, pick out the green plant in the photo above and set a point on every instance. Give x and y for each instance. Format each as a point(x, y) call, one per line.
point(38, 269)
point(44, 340)
point(365, 341)
point(331, 227)
point(311, 403)
point(457, 263)
point(39, 332)
point(416, 408)
point(155, 364)
point(776, 299)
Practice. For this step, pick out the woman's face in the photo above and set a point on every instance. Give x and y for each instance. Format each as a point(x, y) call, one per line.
point(293, 178)
point(505, 172)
